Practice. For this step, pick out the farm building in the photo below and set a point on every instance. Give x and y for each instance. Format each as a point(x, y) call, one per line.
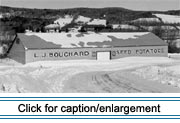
point(30, 47)
point(52, 28)
point(93, 28)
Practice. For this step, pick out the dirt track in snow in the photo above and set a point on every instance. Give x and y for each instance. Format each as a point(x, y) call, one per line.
point(114, 82)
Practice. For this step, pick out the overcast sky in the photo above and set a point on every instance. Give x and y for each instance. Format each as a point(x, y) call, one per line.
point(129, 4)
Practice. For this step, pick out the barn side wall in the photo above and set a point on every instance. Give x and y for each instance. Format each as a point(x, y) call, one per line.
point(90, 53)
point(17, 52)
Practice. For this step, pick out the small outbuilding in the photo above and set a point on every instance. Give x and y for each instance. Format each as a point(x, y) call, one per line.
point(31, 47)
point(53, 28)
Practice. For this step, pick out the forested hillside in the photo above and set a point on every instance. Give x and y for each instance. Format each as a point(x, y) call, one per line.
point(20, 18)
point(17, 20)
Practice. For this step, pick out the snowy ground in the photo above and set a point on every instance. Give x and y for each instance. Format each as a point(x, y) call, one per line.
point(67, 19)
point(62, 21)
point(82, 19)
point(124, 26)
point(168, 18)
point(97, 22)
point(147, 20)
point(151, 28)
point(90, 21)
point(126, 75)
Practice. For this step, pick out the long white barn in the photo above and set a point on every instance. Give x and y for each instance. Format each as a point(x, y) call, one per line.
point(30, 47)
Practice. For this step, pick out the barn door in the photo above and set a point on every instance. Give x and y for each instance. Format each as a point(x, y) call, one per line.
point(103, 56)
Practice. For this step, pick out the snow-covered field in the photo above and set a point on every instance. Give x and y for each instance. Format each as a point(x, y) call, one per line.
point(124, 26)
point(52, 26)
point(150, 28)
point(90, 21)
point(82, 19)
point(147, 20)
point(67, 19)
point(168, 18)
point(133, 74)
point(62, 21)
point(97, 22)
point(169, 74)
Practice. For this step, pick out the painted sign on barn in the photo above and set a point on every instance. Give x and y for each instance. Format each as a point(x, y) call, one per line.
point(91, 53)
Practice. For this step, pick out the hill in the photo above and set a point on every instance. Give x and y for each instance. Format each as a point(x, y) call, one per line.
point(25, 17)
point(17, 20)
point(111, 13)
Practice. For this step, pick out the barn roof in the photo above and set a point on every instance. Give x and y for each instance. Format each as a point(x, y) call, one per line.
point(90, 39)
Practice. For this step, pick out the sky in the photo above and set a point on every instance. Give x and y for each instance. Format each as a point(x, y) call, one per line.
point(161, 5)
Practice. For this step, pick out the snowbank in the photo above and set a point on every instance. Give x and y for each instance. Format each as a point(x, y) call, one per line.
point(122, 63)
point(174, 55)
point(163, 74)
point(52, 76)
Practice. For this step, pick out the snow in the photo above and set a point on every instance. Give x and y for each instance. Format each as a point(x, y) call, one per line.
point(174, 69)
point(28, 31)
point(62, 21)
point(178, 27)
point(64, 76)
point(52, 26)
point(97, 22)
point(67, 19)
point(168, 18)
point(126, 26)
point(147, 20)
point(150, 28)
point(174, 55)
point(164, 75)
point(1, 16)
point(116, 26)
point(90, 21)
point(123, 63)
point(175, 42)
point(3, 49)
point(168, 27)
point(82, 19)
point(58, 38)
